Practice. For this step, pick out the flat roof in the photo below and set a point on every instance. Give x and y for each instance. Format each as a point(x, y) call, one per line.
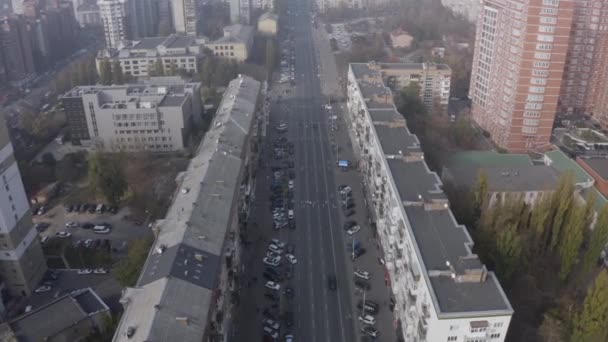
point(508, 178)
point(562, 163)
point(397, 140)
point(57, 316)
point(597, 164)
point(191, 244)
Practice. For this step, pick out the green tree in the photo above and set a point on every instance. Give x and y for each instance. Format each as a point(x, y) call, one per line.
point(127, 271)
point(539, 222)
point(158, 70)
point(573, 235)
point(271, 55)
point(117, 75)
point(105, 72)
point(590, 323)
point(509, 247)
point(480, 194)
point(107, 175)
point(562, 204)
point(597, 241)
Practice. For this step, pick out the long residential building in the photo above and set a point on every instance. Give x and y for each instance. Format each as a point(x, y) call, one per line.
point(22, 264)
point(185, 16)
point(183, 293)
point(139, 58)
point(432, 79)
point(157, 116)
point(443, 292)
point(113, 14)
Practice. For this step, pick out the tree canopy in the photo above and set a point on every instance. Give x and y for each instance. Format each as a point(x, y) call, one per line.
point(590, 323)
point(107, 175)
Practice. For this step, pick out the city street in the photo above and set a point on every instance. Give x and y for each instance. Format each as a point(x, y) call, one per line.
point(317, 311)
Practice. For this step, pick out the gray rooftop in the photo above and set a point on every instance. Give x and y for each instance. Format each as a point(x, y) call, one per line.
point(61, 314)
point(236, 33)
point(437, 236)
point(513, 178)
point(192, 240)
point(269, 15)
point(598, 164)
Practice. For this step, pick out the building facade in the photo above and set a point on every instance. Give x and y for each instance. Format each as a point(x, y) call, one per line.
point(240, 11)
point(140, 58)
point(235, 44)
point(16, 49)
point(113, 14)
point(200, 231)
point(22, 264)
point(518, 66)
point(268, 24)
point(185, 16)
point(432, 79)
point(142, 18)
point(156, 117)
point(88, 15)
point(441, 294)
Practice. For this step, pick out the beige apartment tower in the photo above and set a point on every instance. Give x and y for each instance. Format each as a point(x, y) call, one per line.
point(22, 264)
point(518, 67)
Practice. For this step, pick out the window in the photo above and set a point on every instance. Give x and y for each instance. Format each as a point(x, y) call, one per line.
point(534, 106)
point(545, 38)
point(531, 122)
point(530, 114)
point(498, 325)
point(551, 2)
point(550, 11)
point(542, 55)
point(452, 338)
point(548, 20)
point(536, 72)
point(546, 29)
point(529, 129)
point(535, 97)
point(544, 47)
point(538, 64)
point(537, 89)
point(540, 81)
point(495, 336)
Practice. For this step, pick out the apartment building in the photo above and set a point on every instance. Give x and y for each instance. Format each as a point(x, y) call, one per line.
point(185, 16)
point(442, 291)
point(518, 66)
point(142, 18)
point(433, 80)
point(22, 264)
point(240, 11)
point(139, 57)
point(16, 50)
point(155, 116)
point(235, 44)
point(113, 14)
point(173, 299)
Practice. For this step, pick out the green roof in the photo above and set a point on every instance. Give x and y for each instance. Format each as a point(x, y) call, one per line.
point(563, 163)
point(488, 158)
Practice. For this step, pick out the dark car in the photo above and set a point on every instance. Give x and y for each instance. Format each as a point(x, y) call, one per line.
point(349, 212)
point(271, 277)
point(370, 307)
point(292, 224)
point(358, 252)
point(289, 292)
point(331, 282)
point(291, 248)
point(41, 226)
point(362, 285)
point(349, 224)
point(288, 318)
point(87, 225)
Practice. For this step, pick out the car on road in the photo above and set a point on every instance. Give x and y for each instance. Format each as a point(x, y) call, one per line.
point(272, 262)
point(289, 293)
point(291, 258)
point(102, 231)
point(71, 224)
point(270, 332)
point(278, 243)
point(353, 230)
point(371, 331)
point(43, 288)
point(349, 224)
point(331, 282)
point(85, 271)
point(362, 274)
point(270, 323)
point(368, 319)
point(274, 248)
point(272, 285)
point(63, 234)
point(289, 338)
point(100, 270)
point(291, 248)
point(358, 252)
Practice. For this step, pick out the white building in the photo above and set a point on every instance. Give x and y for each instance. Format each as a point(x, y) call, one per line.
point(22, 264)
point(236, 43)
point(113, 14)
point(157, 116)
point(139, 57)
point(442, 290)
point(184, 16)
point(184, 290)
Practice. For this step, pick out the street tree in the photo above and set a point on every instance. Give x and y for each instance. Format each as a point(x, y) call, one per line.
point(597, 241)
point(107, 175)
point(589, 324)
point(105, 72)
point(573, 235)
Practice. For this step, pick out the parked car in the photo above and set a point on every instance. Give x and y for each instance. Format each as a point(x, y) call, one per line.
point(85, 271)
point(368, 319)
point(362, 274)
point(371, 331)
point(100, 270)
point(41, 226)
point(272, 285)
point(291, 258)
point(71, 224)
point(43, 288)
point(63, 234)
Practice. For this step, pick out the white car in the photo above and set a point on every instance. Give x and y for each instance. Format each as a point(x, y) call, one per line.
point(71, 224)
point(270, 323)
point(272, 285)
point(100, 270)
point(362, 274)
point(44, 288)
point(291, 258)
point(278, 243)
point(271, 262)
point(289, 338)
point(102, 231)
point(274, 248)
point(272, 333)
point(290, 184)
point(85, 271)
point(353, 230)
point(63, 234)
point(272, 255)
point(368, 319)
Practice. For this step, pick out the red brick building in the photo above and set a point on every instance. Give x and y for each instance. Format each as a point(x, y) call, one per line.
point(597, 167)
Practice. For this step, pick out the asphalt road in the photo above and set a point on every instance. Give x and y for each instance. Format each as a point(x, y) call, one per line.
point(321, 314)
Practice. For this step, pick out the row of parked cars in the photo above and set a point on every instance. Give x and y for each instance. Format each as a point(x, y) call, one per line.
point(91, 208)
